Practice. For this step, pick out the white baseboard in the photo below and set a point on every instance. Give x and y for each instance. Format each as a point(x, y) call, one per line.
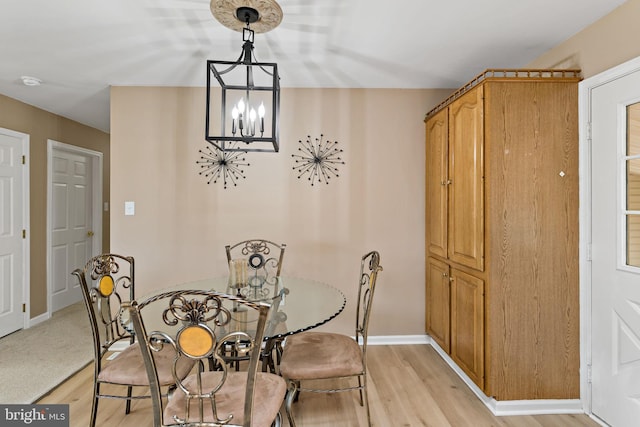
point(535, 407)
point(497, 408)
point(398, 339)
point(120, 345)
point(39, 319)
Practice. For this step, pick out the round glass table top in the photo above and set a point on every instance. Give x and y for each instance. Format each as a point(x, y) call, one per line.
point(297, 304)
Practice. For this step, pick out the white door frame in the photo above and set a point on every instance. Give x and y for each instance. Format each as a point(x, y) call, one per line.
point(584, 99)
point(96, 206)
point(26, 243)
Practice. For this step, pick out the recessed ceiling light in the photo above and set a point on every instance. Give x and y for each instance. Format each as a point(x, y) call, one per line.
point(31, 81)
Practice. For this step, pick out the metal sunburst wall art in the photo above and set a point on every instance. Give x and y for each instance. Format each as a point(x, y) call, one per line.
point(318, 159)
point(216, 164)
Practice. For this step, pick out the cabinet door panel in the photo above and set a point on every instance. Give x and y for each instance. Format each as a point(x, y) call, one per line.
point(466, 172)
point(436, 185)
point(467, 324)
point(438, 302)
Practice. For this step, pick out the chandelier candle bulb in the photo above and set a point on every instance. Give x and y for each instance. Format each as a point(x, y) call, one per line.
point(234, 117)
point(261, 112)
point(252, 118)
point(241, 113)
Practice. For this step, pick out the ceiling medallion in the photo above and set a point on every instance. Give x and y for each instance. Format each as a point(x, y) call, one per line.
point(216, 164)
point(225, 11)
point(318, 160)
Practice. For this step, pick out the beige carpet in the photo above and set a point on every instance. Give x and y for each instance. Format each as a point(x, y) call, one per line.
point(35, 360)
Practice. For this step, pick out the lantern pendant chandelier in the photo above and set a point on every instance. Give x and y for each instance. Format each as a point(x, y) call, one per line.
point(248, 115)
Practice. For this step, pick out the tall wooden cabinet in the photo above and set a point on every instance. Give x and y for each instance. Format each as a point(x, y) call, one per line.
point(502, 232)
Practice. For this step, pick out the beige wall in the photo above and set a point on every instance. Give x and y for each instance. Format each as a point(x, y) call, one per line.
point(376, 203)
point(182, 224)
point(608, 42)
point(42, 125)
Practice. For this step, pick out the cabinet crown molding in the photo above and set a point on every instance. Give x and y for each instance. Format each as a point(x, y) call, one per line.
point(522, 74)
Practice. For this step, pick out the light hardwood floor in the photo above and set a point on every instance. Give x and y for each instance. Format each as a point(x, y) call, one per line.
point(409, 385)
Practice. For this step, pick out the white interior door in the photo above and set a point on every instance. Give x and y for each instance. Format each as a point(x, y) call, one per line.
point(13, 256)
point(615, 234)
point(71, 223)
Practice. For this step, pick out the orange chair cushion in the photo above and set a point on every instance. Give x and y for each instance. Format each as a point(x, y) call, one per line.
point(269, 394)
point(317, 355)
point(128, 368)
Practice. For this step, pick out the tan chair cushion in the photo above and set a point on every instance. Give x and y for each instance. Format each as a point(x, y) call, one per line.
point(128, 368)
point(269, 394)
point(317, 355)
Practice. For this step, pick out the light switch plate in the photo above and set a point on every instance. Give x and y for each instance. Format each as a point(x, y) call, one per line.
point(129, 208)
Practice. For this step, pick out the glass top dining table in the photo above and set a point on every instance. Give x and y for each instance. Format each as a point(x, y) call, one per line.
point(297, 304)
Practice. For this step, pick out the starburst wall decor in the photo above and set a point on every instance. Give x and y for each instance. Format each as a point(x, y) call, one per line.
point(318, 159)
point(216, 164)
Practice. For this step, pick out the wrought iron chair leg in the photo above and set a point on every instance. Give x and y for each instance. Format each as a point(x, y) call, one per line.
point(128, 406)
point(292, 393)
point(94, 406)
point(266, 361)
point(279, 351)
point(366, 400)
point(234, 354)
point(298, 393)
point(269, 362)
point(278, 421)
point(360, 390)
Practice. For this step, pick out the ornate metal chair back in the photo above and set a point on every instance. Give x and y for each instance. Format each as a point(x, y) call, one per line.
point(254, 264)
point(106, 281)
point(369, 268)
point(208, 322)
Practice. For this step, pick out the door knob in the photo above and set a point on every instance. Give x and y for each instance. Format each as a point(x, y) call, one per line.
point(90, 233)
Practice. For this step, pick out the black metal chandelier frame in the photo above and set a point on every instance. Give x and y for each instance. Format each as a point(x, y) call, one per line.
point(245, 131)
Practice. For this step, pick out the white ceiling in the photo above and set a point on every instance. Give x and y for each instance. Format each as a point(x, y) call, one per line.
point(79, 48)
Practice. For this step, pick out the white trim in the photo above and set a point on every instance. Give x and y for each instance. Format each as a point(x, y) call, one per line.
point(621, 180)
point(96, 182)
point(598, 420)
point(398, 339)
point(41, 318)
point(120, 346)
point(621, 165)
point(536, 407)
point(585, 89)
point(584, 172)
point(26, 215)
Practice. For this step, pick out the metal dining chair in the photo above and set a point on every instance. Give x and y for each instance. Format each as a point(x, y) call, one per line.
point(207, 322)
point(312, 356)
point(107, 281)
point(254, 270)
point(262, 260)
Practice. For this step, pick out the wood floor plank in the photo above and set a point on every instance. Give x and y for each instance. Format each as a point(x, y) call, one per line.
point(409, 386)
